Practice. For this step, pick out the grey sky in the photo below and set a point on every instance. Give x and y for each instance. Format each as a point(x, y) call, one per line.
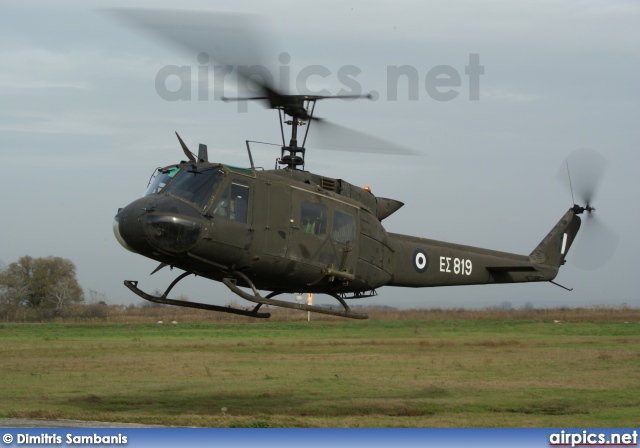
point(82, 128)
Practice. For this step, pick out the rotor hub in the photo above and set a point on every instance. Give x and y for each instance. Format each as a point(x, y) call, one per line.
point(578, 210)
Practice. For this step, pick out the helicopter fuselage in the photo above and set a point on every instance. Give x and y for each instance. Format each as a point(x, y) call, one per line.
point(289, 230)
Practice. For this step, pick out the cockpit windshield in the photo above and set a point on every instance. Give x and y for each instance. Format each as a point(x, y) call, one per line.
point(195, 184)
point(160, 178)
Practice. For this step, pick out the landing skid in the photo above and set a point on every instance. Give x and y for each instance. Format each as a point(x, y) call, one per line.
point(133, 286)
point(231, 283)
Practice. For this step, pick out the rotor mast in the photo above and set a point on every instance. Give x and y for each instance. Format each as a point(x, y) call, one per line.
point(293, 155)
point(300, 108)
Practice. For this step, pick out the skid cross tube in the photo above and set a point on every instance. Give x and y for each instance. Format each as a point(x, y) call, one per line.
point(257, 298)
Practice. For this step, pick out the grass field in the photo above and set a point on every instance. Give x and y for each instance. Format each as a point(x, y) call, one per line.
point(406, 372)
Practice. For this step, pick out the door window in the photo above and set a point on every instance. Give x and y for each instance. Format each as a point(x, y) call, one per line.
point(344, 228)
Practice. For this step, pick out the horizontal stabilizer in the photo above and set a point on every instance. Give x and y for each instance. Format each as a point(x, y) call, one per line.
point(511, 269)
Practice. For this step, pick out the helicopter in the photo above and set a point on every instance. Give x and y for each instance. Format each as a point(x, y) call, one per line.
point(288, 230)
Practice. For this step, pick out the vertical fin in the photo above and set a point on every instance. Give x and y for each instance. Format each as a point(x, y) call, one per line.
point(553, 249)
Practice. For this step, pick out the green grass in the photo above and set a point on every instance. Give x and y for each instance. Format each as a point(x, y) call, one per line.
point(413, 373)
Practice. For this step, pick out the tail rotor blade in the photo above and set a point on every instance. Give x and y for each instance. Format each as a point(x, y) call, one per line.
point(596, 243)
point(587, 167)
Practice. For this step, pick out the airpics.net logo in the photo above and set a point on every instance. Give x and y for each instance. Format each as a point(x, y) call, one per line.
point(589, 438)
point(440, 83)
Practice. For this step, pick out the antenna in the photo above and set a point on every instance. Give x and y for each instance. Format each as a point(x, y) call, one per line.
point(250, 158)
point(249, 149)
point(570, 186)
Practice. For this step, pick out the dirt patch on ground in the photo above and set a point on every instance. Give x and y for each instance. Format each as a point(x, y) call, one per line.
point(49, 423)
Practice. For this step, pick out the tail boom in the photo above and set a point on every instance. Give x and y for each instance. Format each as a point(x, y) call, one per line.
point(421, 262)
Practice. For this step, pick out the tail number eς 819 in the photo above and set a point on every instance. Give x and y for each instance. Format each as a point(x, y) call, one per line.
point(458, 266)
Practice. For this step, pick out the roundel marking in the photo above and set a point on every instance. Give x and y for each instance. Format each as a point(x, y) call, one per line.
point(420, 261)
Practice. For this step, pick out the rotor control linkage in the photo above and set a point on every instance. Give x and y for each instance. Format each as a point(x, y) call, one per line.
point(231, 283)
point(133, 286)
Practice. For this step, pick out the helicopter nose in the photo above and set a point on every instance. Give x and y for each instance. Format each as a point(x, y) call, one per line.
point(168, 225)
point(116, 232)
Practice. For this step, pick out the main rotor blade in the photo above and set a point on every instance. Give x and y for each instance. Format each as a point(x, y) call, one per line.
point(232, 40)
point(338, 138)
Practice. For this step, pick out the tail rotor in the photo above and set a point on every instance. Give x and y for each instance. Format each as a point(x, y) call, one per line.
point(597, 242)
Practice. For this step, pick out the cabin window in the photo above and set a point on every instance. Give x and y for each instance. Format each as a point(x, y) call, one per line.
point(344, 228)
point(313, 218)
point(234, 202)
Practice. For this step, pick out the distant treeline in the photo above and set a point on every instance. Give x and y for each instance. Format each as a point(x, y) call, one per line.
point(46, 290)
point(172, 315)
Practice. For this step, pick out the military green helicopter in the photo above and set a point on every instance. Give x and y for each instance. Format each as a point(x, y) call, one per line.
point(288, 230)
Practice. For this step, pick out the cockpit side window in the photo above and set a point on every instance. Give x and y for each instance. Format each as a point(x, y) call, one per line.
point(160, 178)
point(234, 202)
point(195, 184)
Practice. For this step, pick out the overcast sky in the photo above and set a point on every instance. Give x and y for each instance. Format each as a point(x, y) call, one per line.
point(82, 127)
